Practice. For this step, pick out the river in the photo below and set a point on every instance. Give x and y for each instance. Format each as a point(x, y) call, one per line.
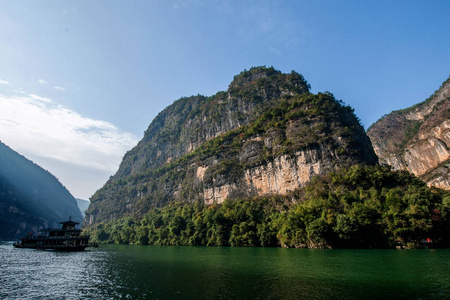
point(153, 272)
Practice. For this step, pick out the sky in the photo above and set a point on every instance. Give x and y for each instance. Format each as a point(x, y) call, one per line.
point(80, 81)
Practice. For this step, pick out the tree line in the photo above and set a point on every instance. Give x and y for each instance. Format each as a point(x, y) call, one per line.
point(357, 207)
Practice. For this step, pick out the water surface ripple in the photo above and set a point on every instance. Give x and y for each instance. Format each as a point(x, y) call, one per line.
point(151, 272)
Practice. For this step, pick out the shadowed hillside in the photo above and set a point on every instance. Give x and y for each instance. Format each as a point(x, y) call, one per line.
point(30, 197)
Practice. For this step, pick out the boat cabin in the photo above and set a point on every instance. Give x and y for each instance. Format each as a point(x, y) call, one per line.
point(67, 229)
point(66, 238)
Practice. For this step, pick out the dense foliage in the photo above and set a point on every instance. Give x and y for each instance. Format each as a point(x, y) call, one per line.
point(369, 207)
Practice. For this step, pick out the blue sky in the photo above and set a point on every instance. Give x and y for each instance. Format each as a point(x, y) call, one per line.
point(80, 81)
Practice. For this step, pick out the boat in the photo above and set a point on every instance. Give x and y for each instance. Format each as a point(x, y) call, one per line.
point(66, 238)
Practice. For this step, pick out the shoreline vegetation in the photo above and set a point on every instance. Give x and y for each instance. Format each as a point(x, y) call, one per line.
point(357, 207)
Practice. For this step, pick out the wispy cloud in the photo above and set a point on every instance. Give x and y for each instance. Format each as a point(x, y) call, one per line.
point(4, 82)
point(42, 82)
point(36, 97)
point(52, 134)
point(58, 88)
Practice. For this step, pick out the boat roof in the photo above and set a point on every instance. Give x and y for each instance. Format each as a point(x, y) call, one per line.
point(70, 222)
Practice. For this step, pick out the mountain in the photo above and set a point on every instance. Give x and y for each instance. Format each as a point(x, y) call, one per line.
point(30, 197)
point(267, 134)
point(82, 205)
point(417, 139)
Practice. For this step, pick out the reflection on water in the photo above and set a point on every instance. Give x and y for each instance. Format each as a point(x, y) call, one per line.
point(37, 274)
point(149, 272)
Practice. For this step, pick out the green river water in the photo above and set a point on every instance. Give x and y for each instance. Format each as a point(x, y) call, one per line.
point(152, 272)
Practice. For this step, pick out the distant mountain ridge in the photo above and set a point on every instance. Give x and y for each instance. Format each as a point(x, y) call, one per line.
point(267, 134)
point(417, 138)
point(30, 197)
point(82, 205)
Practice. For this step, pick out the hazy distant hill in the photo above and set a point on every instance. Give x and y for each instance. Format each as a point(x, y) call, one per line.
point(82, 205)
point(417, 138)
point(30, 197)
point(267, 134)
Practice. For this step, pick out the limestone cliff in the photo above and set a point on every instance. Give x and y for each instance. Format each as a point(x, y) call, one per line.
point(265, 135)
point(417, 139)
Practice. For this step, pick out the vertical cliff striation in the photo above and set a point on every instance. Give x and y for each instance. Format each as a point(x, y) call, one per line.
point(190, 121)
point(265, 135)
point(417, 139)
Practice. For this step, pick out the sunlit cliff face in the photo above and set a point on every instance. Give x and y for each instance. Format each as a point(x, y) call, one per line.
point(265, 135)
point(418, 139)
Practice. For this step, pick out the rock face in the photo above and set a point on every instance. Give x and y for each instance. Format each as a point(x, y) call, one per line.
point(417, 139)
point(265, 135)
point(31, 198)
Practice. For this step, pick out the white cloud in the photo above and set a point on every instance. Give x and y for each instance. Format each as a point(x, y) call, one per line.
point(42, 82)
point(35, 97)
point(4, 82)
point(58, 88)
point(62, 141)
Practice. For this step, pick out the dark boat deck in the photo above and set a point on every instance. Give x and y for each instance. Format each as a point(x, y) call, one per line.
point(67, 238)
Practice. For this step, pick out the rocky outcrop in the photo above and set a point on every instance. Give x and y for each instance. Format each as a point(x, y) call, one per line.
point(189, 122)
point(265, 135)
point(417, 139)
point(281, 175)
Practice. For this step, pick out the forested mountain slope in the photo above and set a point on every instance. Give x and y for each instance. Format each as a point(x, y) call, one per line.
point(267, 134)
point(355, 207)
point(30, 197)
point(417, 138)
